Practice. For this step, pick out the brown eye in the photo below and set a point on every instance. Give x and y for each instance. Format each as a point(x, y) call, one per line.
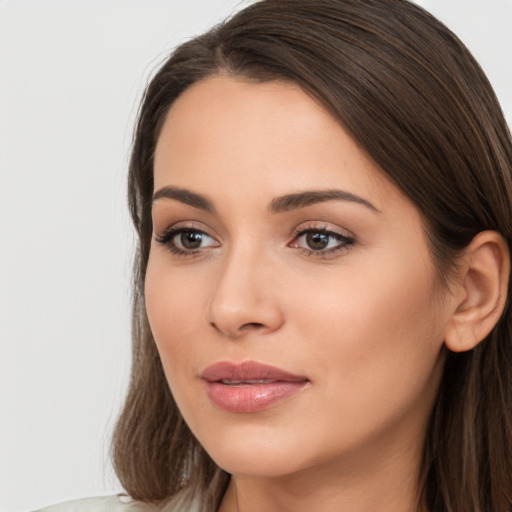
point(189, 240)
point(186, 241)
point(317, 241)
point(321, 242)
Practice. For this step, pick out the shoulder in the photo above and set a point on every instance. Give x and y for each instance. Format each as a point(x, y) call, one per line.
point(118, 503)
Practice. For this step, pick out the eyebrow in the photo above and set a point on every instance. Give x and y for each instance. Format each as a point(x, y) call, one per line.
point(184, 196)
point(278, 205)
point(307, 198)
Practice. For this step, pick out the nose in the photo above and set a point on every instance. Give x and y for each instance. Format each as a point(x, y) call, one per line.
point(245, 298)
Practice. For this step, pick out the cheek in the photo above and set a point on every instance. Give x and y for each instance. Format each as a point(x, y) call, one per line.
point(377, 337)
point(174, 313)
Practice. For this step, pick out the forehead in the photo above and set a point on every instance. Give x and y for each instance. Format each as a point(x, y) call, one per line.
point(271, 137)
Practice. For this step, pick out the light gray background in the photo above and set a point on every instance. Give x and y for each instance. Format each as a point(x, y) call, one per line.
point(71, 73)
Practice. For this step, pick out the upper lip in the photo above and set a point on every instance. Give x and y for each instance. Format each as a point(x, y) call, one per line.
point(248, 371)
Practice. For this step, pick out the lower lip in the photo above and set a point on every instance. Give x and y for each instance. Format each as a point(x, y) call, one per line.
point(251, 397)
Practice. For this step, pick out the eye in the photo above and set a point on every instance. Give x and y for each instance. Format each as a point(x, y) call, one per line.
point(185, 241)
point(321, 241)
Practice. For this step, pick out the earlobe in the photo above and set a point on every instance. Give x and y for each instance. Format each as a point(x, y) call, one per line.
point(482, 291)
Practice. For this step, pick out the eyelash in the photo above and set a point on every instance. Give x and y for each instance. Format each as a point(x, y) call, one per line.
point(344, 242)
point(167, 240)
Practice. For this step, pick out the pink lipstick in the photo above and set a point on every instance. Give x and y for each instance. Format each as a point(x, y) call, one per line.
point(249, 386)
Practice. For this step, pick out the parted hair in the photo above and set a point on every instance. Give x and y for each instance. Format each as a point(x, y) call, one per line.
point(416, 101)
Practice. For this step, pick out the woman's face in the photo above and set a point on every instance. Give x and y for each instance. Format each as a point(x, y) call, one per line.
point(289, 287)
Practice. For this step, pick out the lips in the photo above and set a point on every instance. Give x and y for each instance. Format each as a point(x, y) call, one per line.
point(249, 386)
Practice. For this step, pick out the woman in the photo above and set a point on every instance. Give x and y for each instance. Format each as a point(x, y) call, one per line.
point(322, 192)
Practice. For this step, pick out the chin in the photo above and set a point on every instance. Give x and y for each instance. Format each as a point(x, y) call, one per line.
point(257, 464)
point(252, 451)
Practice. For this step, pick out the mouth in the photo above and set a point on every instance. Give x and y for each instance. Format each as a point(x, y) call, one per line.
point(249, 386)
point(247, 382)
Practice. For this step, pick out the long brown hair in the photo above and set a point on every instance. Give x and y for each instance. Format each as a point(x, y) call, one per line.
point(416, 101)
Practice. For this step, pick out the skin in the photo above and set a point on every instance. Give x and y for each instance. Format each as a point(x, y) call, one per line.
point(365, 323)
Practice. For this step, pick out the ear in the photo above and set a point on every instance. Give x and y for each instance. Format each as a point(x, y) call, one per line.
point(481, 294)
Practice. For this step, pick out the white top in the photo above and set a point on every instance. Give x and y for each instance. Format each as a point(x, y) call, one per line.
point(117, 503)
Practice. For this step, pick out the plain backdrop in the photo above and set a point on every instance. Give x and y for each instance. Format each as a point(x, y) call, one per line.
point(71, 74)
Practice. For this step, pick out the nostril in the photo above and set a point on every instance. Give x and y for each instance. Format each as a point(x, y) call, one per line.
point(242, 328)
point(252, 325)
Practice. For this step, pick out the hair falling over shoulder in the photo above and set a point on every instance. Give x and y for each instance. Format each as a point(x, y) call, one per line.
point(414, 98)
